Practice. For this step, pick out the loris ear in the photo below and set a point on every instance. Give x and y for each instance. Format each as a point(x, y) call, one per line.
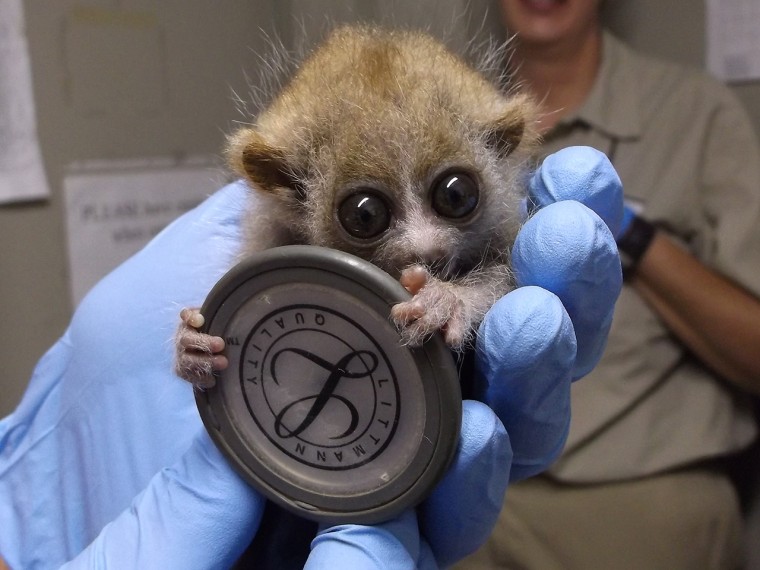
point(263, 164)
point(505, 133)
point(513, 126)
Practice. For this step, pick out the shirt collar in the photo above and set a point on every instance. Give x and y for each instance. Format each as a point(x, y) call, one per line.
point(612, 104)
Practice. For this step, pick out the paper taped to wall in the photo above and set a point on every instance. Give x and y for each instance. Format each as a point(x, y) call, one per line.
point(22, 176)
point(113, 208)
point(733, 44)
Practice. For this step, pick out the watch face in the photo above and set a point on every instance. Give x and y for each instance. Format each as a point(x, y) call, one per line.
point(322, 408)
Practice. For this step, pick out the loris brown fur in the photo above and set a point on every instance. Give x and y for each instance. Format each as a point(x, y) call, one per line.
point(386, 145)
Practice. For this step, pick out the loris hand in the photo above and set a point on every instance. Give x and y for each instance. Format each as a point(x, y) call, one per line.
point(452, 307)
point(436, 306)
point(198, 355)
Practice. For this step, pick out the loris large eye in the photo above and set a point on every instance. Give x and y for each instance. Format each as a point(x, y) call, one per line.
point(455, 195)
point(364, 214)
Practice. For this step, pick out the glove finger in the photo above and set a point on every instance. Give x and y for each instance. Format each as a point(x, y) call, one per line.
point(392, 544)
point(525, 353)
point(456, 519)
point(582, 174)
point(462, 510)
point(197, 514)
point(567, 249)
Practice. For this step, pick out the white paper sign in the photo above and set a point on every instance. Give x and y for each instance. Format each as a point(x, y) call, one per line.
point(733, 41)
point(114, 208)
point(21, 173)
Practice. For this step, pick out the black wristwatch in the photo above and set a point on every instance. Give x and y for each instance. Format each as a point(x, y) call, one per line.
point(634, 243)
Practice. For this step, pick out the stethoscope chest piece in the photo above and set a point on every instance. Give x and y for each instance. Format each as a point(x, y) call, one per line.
point(322, 408)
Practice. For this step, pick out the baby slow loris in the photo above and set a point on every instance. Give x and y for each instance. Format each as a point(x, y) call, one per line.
point(386, 145)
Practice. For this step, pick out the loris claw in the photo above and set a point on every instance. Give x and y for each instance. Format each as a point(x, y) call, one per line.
point(198, 355)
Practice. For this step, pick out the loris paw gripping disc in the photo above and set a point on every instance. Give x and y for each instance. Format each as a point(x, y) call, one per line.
point(322, 408)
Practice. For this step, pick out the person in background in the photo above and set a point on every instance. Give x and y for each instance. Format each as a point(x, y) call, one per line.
point(643, 481)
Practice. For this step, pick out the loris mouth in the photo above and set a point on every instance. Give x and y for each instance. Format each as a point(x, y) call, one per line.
point(448, 269)
point(441, 268)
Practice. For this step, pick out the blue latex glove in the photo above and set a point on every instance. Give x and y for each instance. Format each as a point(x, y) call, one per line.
point(553, 328)
point(453, 522)
point(104, 445)
point(628, 215)
point(107, 449)
point(194, 514)
point(200, 514)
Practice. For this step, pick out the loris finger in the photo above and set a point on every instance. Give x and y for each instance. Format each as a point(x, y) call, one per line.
point(192, 317)
point(416, 321)
point(199, 370)
point(455, 334)
point(407, 312)
point(414, 278)
point(194, 341)
point(455, 331)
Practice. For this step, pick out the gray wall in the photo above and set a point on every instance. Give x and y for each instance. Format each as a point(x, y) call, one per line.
point(170, 95)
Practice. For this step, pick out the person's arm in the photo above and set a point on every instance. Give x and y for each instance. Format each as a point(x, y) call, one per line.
point(716, 319)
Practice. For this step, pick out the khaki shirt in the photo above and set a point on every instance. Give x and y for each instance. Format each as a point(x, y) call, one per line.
point(686, 153)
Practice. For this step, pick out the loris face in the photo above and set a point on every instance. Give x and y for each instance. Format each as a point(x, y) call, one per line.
point(410, 185)
point(387, 146)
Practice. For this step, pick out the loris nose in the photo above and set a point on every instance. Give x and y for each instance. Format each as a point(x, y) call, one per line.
point(434, 259)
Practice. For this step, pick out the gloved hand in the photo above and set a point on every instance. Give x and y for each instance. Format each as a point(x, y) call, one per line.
point(533, 343)
point(200, 514)
point(552, 329)
point(197, 513)
point(454, 520)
